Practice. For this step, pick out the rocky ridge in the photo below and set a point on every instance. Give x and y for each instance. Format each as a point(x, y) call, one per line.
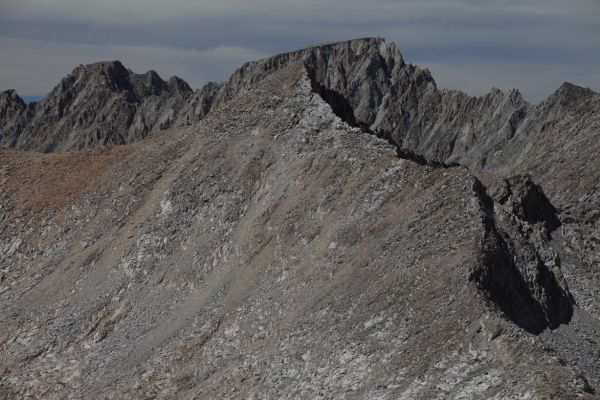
point(398, 100)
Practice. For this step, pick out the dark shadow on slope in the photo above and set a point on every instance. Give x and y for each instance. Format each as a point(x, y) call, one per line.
point(338, 103)
point(533, 304)
point(529, 202)
point(533, 301)
point(342, 108)
point(419, 159)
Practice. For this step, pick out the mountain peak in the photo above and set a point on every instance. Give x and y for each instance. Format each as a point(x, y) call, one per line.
point(317, 192)
point(358, 47)
point(112, 68)
point(11, 95)
point(98, 103)
point(371, 43)
point(569, 95)
point(158, 258)
point(385, 95)
point(177, 84)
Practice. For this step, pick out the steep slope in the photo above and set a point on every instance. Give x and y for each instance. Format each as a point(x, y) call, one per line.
point(271, 229)
point(496, 136)
point(106, 103)
point(563, 158)
point(270, 251)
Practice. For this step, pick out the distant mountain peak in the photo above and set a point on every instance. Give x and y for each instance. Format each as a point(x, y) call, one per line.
point(570, 94)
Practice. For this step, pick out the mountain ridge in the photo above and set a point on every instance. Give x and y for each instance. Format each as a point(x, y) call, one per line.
point(380, 61)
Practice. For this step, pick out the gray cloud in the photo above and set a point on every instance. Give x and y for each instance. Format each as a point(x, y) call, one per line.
point(467, 44)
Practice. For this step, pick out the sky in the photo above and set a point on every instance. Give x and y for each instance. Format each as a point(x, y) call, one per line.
point(471, 45)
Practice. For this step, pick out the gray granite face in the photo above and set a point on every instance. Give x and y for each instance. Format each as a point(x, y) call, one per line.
point(325, 224)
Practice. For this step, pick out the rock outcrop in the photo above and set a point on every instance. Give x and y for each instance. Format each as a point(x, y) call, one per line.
point(497, 135)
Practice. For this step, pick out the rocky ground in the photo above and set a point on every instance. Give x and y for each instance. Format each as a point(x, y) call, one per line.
point(278, 248)
point(270, 251)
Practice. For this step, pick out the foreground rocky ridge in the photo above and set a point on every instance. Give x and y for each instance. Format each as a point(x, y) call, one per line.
point(278, 248)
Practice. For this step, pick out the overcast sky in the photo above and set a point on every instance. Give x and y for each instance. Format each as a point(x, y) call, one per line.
point(471, 45)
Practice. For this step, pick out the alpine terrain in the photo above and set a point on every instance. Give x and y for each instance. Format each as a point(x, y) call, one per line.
point(325, 224)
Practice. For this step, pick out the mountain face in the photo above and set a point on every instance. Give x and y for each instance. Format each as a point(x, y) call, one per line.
point(96, 104)
point(325, 224)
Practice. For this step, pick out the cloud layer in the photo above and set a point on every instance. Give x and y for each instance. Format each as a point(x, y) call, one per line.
point(469, 45)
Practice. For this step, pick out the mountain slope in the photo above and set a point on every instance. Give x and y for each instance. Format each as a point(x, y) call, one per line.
point(327, 223)
point(496, 136)
point(273, 251)
point(402, 102)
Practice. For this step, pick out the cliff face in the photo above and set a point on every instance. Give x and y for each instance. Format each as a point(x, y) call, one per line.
point(496, 136)
point(105, 103)
point(13, 113)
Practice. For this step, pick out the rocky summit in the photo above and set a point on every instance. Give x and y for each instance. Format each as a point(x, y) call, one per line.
point(325, 224)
